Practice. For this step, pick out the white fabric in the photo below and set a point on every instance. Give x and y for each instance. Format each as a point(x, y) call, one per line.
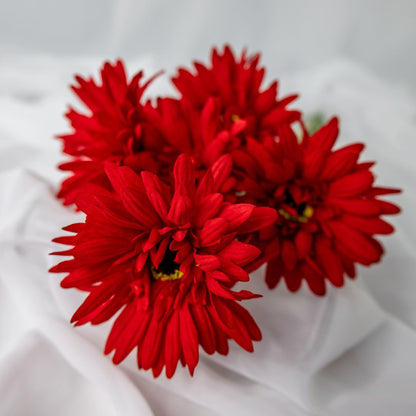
point(351, 352)
point(291, 34)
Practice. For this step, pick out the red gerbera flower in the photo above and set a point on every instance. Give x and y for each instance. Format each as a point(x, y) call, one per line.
point(200, 134)
point(115, 129)
point(328, 207)
point(235, 85)
point(168, 261)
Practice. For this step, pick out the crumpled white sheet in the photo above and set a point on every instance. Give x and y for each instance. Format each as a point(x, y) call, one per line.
point(351, 352)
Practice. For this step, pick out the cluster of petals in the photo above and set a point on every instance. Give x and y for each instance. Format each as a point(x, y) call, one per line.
point(185, 196)
point(235, 85)
point(329, 209)
point(114, 129)
point(168, 261)
point(219, 106)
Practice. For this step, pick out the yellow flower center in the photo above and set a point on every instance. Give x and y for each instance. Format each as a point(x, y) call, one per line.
point(168, 269)
point(159, 275)
point(303, 217)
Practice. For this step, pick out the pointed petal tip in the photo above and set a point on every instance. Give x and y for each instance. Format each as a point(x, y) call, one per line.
point(117, 359)
point(271, 284)
point(58, 253)
point(191, 369)
point(56, 268)
point(333, 122)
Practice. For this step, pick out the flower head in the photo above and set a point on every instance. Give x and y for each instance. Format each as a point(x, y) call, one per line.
point(234, 83)
point(168, 261)
point(200, 134)
point(329, 209)
point(220, 109)
point(115, 130)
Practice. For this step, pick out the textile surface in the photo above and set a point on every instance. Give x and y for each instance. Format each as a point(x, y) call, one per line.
point(351, 352)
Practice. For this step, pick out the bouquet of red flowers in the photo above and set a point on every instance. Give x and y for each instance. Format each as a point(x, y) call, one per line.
point(185, 196)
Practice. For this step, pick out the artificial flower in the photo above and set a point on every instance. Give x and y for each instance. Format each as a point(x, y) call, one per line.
point(167, 261)
point(235, 85)
point(115, 129)
point(219, 109)
point(329, 209)
point(200, 134)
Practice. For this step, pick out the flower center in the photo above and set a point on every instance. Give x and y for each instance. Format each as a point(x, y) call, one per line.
point(168, 268)
point(292, 211)
point(303, 216)
point(233, 117)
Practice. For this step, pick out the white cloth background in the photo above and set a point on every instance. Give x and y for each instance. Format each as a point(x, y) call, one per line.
point(291, 34)
point(351, 352)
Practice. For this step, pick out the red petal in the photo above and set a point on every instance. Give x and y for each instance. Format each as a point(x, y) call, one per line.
point(355, 244)
point(206, 333)
point(221, 171)
point(303, 243)
point(239, 253)
point(237, 322)
point(64, 267)
point(183, 172)
point(293, 279)
point(172, 345)
point(351, 185)
point(74, 228)
point(324, 139)
point(329, 262)
point(179, 212)
point(152, 345)
point(157, 256)
point(234, 271)
point(258, 151)
point(218, 289)
point(66, 240)
point(313, 164)
point(388, 208)
point(152, 240)
point(236, 214)
point(384, 191)
point(102, 249)
point(238, 126)
point(208, 208)
point(99, 295)
point(206, 186)
point(120, 323)
point(207, 262)
point(289, 255)
point(212, 232)
point(134, 328)
point(316, 284)
point(154, 192)
point(274, 272)
point(221, 276)
point(85, 276)
point(132, 193)
point(266, 99)
point(260, 218)
point(368, 225)
point(209, 120)
point(362, 207)
point(189, 339)
point(340, 162)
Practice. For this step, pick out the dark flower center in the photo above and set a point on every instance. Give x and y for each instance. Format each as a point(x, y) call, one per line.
point(168, 268)
point(292, 211)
